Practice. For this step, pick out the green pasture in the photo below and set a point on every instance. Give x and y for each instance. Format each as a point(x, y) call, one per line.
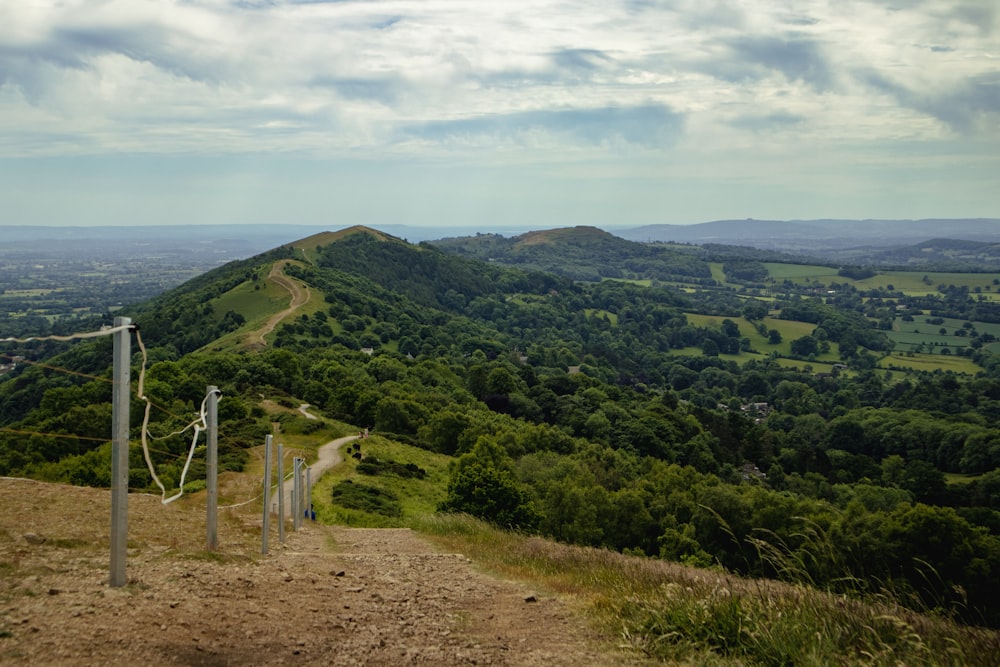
point(718, 275)
point(916, 283)
point(691, 351)
point(715, 322)
point(959, 478)
point(913, 282)
point(909, 335)
point(246, 300)
point(929, 362)
point(799, 273)
point(806, 366)
point(26, 293)
point(789, 330)
point(909, 340)
point(596, 312)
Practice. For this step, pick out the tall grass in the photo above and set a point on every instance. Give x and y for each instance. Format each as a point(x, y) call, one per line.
point(675, 614)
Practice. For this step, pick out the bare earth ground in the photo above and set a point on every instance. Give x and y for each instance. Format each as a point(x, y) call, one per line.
point(328, 596)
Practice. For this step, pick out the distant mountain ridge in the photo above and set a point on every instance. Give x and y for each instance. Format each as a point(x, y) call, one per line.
point(889, 243)
point(807, 235)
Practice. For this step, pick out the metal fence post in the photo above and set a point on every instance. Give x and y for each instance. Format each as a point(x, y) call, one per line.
point(212, 469)
point(309, 497)
point(281, 493)
point(266, 530)
point(121, 374)
point(296, 494)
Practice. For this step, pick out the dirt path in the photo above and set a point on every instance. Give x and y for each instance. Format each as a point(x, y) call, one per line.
point(327, 456)
point(328, 596)
point(300, 296)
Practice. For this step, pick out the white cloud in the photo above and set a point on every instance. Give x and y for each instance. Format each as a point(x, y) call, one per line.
point(756, 85)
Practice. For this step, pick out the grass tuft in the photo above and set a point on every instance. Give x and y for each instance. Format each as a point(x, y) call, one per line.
point(675, 614)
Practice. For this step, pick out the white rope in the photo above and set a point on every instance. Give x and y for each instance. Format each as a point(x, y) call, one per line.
point(198, 425)
point(274, 489)
point(105, 331)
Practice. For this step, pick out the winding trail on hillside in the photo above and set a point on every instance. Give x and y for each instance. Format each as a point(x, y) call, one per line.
point(300, 296)
point(327, 456)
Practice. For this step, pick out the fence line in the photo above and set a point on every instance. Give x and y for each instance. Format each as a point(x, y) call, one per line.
point(199, 424)
point(53, 435)
point(57, 368)
point(104, 331)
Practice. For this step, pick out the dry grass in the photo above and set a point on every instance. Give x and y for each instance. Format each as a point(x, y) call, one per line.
point(674, 613)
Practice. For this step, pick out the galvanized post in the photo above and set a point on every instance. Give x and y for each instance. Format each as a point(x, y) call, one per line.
point(266, 530)
point(296, 494)
point(309, 497)
point(212, 469)
point(281, 493)
point(121, 374)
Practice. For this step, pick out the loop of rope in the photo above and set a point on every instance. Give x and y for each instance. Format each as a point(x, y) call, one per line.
point(200, 424)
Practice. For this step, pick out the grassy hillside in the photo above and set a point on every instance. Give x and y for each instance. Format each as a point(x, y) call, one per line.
point(603, 414)
point(668, 612)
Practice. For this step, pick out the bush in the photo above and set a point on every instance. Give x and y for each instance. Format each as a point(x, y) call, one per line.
point(371, 465)
point(367, 499)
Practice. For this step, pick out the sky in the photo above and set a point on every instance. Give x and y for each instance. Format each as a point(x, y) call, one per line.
point(537, 113)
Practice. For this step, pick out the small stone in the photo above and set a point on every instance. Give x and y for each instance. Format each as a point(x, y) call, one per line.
point(531, 598)
point(54, 591)
point(338, 573)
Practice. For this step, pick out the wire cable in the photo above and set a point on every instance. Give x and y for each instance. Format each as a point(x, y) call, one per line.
point(58, 368)
point(53, 435)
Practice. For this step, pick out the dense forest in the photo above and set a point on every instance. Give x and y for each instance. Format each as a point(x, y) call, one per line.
point(577, 408)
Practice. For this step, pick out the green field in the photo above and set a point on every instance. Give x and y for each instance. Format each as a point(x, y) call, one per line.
point(718, 274)
point(594, 312)
point(959, 478)
point(912, 282)
point(916, 283)
point(909, 335)
point(789, 330)
point(26, 293)
point(246, 300)
point(798, 273)
point(929, 362)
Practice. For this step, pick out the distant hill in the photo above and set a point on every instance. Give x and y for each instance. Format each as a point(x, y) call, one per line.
point(581, 253)
point(812, 236)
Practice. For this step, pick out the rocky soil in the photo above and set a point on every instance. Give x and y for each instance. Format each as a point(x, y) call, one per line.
point(327, 596)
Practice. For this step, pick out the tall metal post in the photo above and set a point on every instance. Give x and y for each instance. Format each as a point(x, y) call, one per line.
point(296, 494)
point(121, 375)
point(281, 493)
point(309, 495)
point(212, 468)
point(266, 531)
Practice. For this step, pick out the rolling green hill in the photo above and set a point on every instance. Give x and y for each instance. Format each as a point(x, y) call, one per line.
point(605, 414)
point(581, 253)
